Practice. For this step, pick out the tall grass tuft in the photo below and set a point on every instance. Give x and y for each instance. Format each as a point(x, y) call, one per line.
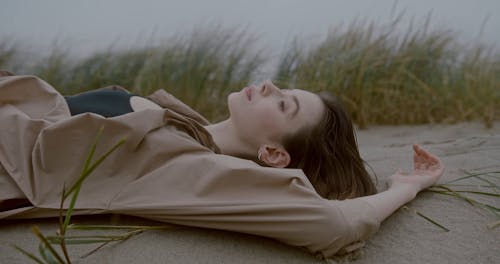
point(384, 77)
point(7, 52)
point(10, 55)
point(200, 68)
point(485, 196)
point(381, 75)
point(106, 68)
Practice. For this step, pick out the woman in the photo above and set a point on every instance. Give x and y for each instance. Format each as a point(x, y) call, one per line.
point(176, 167)
point(274, 127)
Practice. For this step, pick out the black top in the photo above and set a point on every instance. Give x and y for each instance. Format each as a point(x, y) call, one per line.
point(108, 103)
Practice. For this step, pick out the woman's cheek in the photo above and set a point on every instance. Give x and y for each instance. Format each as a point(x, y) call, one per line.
point(268, 117)
point(271, 121)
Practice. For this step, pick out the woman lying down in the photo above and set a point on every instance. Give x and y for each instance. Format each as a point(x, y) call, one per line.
point(284, 165)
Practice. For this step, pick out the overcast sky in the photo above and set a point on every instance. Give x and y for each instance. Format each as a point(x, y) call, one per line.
point(93, 24)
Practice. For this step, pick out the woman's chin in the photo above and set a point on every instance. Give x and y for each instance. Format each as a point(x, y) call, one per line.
point(234, 100)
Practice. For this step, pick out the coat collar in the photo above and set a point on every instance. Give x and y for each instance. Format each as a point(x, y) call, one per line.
point(166, 100)
point(184, 117)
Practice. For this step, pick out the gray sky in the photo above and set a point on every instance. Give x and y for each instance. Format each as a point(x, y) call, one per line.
point(94, 24)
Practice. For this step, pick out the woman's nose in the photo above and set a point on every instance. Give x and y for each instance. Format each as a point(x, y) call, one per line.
point(268, 87)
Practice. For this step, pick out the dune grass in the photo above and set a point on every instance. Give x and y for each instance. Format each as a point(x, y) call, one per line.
point(381, 75)
point(200, 68)
point(482, 196)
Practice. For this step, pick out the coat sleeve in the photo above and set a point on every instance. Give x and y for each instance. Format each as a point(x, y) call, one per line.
point(223, 192)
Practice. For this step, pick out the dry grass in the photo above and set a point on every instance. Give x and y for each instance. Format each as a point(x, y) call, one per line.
point(383, 77)
point(200, 69)
point(422, 76)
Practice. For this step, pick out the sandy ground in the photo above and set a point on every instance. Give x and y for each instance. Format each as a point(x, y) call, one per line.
point(403, 238)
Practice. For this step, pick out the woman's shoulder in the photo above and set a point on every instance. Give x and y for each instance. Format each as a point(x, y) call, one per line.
point(167, 100)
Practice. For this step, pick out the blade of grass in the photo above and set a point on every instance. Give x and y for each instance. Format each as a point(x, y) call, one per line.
point(46, 254)
point(432, 221)
point(95, 249)
point(42, 238)
point(62, 230)
point(105, 155)
point(86, 241)
point(93, 238)
point(100, 246)
point(494, 225)
point(470, 175)
point(61, 205)
point(57, 238)
point(473, 185)
point(473, 202)
point(467, 191)
point(27, 254)
point(492, 207)
point(75, 189)
point(456, 193)
point(87, 163)
point(481, 193)
point(470, 201)
point(84, 175)
point(487, 181)
point(425, 218)
point(108, 227)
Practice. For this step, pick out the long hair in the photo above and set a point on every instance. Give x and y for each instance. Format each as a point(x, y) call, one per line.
point(328, 154)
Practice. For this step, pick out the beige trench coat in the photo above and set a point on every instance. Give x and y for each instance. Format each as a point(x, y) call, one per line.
point(168, 170)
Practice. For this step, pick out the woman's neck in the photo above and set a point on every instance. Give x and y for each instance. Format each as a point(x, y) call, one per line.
point(226, 138)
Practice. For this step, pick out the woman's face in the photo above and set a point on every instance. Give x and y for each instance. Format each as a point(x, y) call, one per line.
point(265, 114)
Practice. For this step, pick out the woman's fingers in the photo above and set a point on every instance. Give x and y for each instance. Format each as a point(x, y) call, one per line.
point(424, 160)
point(420, 151)
point(427, 167)
point(433, 160)
point(419, 162)
point(426, 155)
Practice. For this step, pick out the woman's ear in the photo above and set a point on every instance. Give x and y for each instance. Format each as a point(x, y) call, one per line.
point(274, 156)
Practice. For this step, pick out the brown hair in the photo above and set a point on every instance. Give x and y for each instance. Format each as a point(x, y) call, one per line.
point(328, 154)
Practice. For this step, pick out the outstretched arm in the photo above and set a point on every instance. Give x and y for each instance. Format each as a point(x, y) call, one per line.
point(404, 187)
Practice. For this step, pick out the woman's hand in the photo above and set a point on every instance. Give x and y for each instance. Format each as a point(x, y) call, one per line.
point(427, 169)
point(404, 187)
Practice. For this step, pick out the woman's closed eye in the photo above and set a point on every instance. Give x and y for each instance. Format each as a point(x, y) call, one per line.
point(282, 106)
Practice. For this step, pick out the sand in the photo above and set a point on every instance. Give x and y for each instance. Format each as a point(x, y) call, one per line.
point(403, 238)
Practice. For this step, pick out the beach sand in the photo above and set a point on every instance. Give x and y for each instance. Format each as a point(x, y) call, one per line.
point(405, 237)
